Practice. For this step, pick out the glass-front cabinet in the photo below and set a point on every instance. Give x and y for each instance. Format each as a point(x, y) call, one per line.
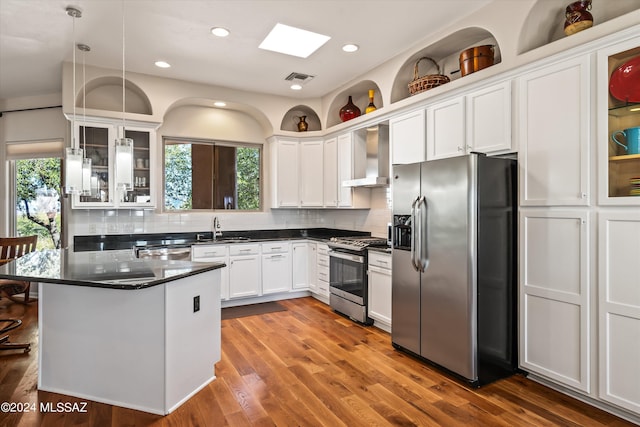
point(619, 123)
point(98, 139)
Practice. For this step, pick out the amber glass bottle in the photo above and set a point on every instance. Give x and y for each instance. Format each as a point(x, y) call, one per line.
point(371, 107)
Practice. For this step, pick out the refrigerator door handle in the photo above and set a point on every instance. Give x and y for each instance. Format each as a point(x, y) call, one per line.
point(423, 250)
point(413, 235)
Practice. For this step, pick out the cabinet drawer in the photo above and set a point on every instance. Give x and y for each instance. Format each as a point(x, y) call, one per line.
point(275, 247)
point(323, 274)
point(244, 249)
point(379, 259)
point(323, 249)
point(208, 251)
point(323, 261)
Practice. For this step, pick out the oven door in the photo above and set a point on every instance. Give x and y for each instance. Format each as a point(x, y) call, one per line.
point(347, 276)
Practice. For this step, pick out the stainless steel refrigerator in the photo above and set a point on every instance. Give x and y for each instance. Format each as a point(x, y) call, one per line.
point(454, 293)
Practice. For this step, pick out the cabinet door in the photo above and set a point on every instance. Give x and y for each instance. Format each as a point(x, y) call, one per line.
point(619, 308)
point(244, 276)
point(311, 173)
point(554, 296)
point(330, 172)
point(276, 273)
point(97, 139)
point(445, 129)
point(299, 266)
point(286, 165)
point(380, 294)
point(214, 253)
point(144, 159)
point(407, 138)
point(554, 134)
point(312, 267)
point(345, 169)
point(617, 167)
point(489, 119)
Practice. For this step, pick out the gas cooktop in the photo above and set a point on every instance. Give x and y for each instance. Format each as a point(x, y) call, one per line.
point(359, 243)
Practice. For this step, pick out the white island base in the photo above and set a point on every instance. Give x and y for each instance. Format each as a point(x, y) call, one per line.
point(143, 349)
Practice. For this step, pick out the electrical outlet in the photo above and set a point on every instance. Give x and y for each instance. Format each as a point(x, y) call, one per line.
point(196, 303)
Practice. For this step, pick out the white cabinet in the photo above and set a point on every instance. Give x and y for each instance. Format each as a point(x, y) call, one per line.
point(619, 308)
point(554, 134)
point(311, 173)
point(245, 278)
point(446, 129)
point(322, 282)
point(285, 169)
point(379, 282)
point(407, 138)
point(312, 266)
point(554, 296)
point(488, 119)
point(330, 175)
point(214, 253)
point(299, 265)
point(276, 267)
point(97, 137)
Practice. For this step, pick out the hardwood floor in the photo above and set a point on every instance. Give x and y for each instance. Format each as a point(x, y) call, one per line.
point(306, 366)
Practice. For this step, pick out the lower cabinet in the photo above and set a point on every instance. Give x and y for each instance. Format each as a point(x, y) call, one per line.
point(299, 263)
point(276, 267)
point(619, 308)
point(312, 266)
point(379, 272)
point(244, 271)
point(215, 253)
point(555, 333)
point(322, 284)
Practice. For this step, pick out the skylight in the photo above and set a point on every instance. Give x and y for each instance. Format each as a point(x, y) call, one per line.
point(293, 41)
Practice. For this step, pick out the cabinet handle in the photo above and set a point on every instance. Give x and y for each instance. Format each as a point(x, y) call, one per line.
point(459, 148)
point(469, 147)
point(277, 247)
point(245, 250)
point(276, 256)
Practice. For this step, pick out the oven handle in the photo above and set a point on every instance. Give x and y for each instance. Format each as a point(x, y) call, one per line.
point(348, 257)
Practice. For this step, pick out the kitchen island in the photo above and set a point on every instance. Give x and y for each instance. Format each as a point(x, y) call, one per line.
point(142, 334)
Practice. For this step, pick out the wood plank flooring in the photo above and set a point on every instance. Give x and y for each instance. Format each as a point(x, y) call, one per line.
point(306, 366)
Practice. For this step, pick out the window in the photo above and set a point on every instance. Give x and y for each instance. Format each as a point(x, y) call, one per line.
point(211, 175)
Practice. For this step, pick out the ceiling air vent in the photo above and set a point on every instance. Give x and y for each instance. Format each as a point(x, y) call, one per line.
point(299, 77)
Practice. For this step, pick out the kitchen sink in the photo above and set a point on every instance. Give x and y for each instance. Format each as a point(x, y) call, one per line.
point(231, 240)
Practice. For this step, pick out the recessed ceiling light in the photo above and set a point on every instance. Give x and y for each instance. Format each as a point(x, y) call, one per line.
point(296, 86)
point(219, 32)
point(220, 104)
point(350, 47)
point(162, 64)
point(293, 41)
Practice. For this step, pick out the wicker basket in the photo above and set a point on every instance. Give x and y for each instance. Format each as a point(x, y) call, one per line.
point(420, 84)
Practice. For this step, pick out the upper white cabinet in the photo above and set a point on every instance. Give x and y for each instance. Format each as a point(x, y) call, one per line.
point(619, 308)
point(445, 129)
point(285, 169)
point(407, 138)
point(97, 137)
point(330, 175)
point(311, 173)
point(489, 119)
point(618, 164)
point(554, 134)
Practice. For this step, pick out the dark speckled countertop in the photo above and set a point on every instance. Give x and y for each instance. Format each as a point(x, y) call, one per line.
point(118, 269)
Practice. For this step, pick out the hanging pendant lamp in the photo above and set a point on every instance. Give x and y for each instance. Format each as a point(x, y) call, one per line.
point(124, 145)
point(73, 155)
point(87, 188)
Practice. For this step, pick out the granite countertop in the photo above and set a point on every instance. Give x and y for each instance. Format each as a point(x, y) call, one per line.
point(118, 269)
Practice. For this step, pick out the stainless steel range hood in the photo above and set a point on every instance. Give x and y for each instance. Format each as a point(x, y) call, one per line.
point(371, 157)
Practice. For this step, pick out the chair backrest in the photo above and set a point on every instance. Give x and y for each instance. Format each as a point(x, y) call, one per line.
point(15, 247)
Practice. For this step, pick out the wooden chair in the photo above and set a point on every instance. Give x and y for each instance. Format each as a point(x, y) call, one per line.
point(4, 340)
point(10, 249)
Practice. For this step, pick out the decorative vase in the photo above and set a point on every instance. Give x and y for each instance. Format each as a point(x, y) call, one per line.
point(349, 111)
point(578, 17)
point(371, 107)
point(302, 125)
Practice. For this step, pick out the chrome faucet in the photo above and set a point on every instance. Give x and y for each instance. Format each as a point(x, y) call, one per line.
point(216, 228)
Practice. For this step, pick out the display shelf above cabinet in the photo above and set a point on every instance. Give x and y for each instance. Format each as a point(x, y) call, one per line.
point(292, 118)
point(360, 97)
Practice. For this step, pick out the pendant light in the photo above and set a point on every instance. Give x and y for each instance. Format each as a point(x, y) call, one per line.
point(73, 155)
point(124, 145)
point(87, 188)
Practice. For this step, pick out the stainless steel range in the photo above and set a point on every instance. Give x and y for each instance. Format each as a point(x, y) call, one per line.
point(348, 275)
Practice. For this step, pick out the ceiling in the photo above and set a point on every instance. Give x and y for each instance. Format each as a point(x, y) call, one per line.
point(36, 36)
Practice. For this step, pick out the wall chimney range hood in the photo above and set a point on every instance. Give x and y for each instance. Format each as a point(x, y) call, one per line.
point(370, 157)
